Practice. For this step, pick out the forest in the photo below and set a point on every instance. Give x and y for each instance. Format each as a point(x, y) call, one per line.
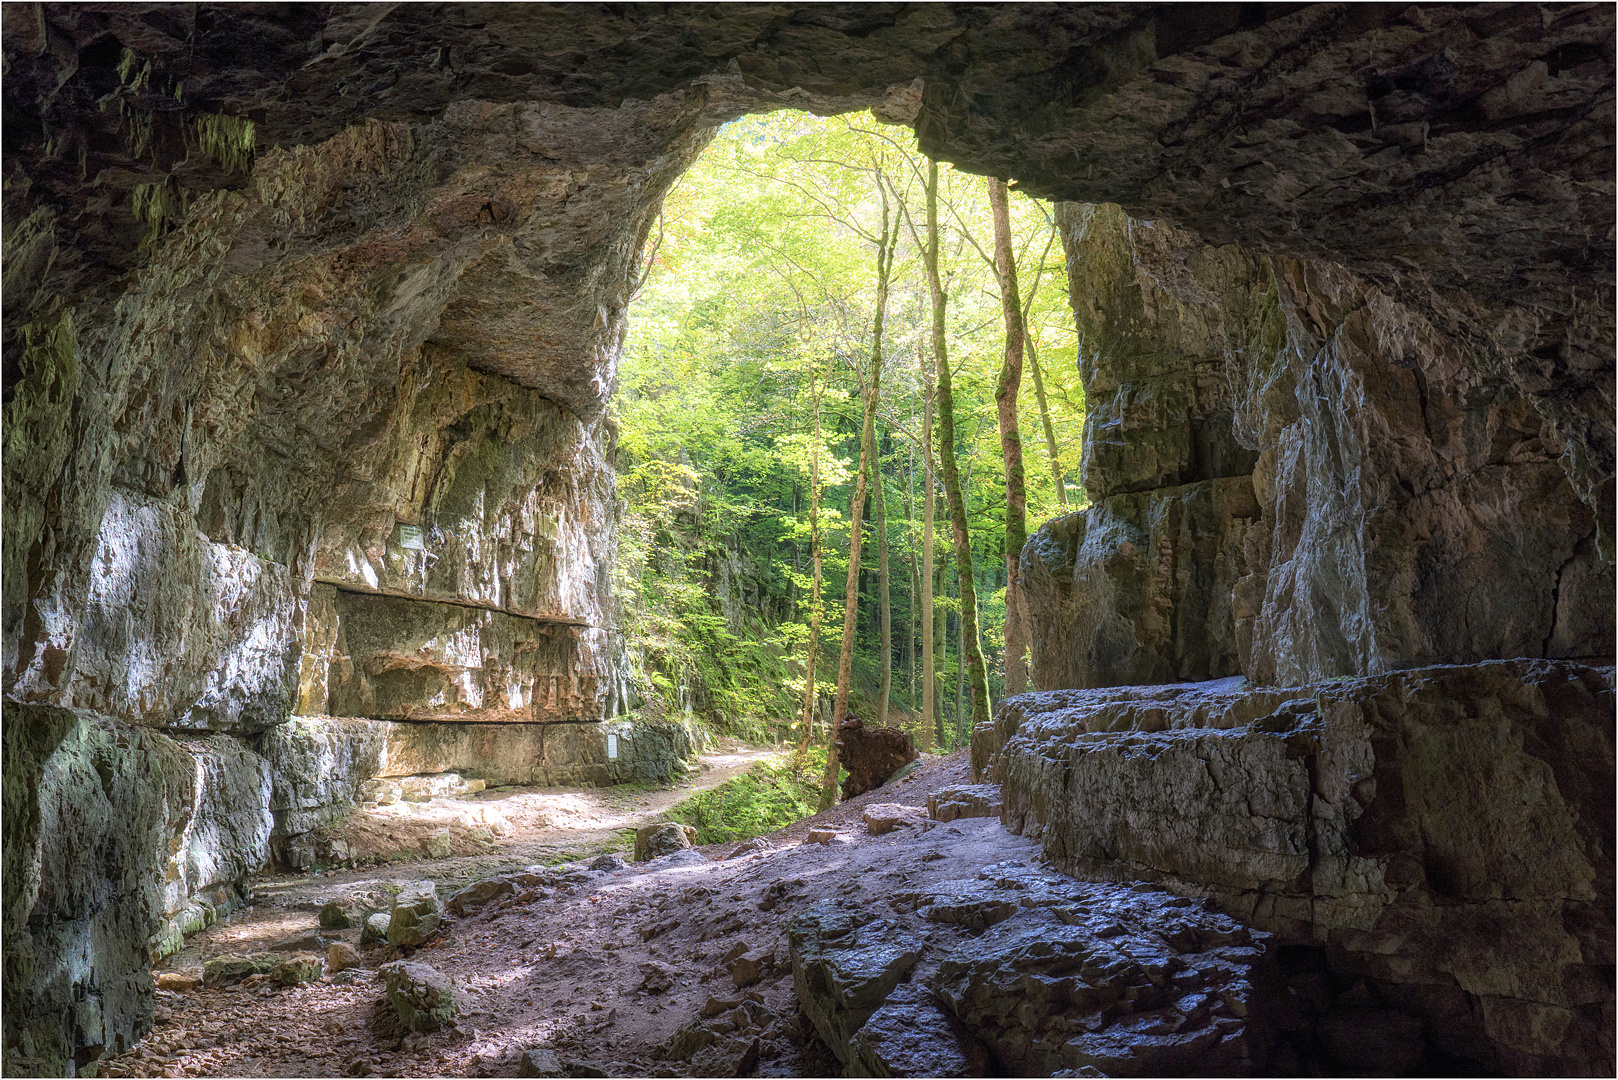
point(848, 396)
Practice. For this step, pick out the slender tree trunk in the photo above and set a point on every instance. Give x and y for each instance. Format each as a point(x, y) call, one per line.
point(1045, 421)
point(845, 658)
point(940, 637)
point(1005, 397)
point(929, 675)
point(809, 694)
point(915, 577)
point(970, 648)
point(884, 597)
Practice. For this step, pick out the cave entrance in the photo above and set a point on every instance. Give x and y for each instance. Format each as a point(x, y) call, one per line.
point(789, 262)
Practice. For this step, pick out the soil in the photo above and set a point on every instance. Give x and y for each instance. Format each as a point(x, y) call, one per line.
point(569, 970)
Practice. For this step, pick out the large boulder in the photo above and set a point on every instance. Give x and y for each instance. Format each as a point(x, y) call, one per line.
point(912, 1035)
point(871, 755)
point(424, 997)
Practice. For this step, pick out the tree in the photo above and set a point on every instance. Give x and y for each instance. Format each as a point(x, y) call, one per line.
point(886, 242)
point(1005, 396)
point(970, 647)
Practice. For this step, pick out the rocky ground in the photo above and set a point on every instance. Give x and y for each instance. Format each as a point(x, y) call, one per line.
point(882, 937)
point(606, 967)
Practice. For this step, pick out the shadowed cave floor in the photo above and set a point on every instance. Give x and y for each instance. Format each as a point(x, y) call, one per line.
point(564, 972)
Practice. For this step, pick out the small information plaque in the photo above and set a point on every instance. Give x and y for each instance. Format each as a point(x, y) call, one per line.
point(612, 747)
point(410, 538)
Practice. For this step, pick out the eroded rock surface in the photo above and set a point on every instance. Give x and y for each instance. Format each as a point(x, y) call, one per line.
point(328, 324)
point(1295, 477)
point(1368, 819)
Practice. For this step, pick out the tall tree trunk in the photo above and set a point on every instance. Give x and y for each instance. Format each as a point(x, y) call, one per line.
point(1045, 421)
point(814, 595)
point(845, 657)
point(971, 649)
point(940, 649)
point(915, 578)
point(884, 598)
point(1005, 397)
point(929, 675)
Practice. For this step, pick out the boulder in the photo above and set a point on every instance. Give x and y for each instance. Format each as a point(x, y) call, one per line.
point(541, 1062)
point(750, 847)
point(417, 911)
point(342, 914)
point(751, 966)
point(607, 864)
point(178, 981)
point(305, 942)
point(844, 966)
point(423, 997)
point(297, 969)
point(820, 836)
point(231, 969)
point(882, 818)
point(375, 930)
point(341, 956)
point(964, 801)
point(662, 838)
point(479, 893)
point(871, 755)
point(657, 977)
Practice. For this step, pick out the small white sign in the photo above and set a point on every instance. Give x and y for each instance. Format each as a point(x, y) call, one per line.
point(612, 746)
point(410, 538)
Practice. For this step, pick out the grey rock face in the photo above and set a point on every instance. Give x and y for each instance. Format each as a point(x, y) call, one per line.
point(404, 659)
point(844, 967)
point(317, 765)
point(1368, 816)
point(1125, 982)
point(912, 1035)
point(175, 828)
point(1292, 471)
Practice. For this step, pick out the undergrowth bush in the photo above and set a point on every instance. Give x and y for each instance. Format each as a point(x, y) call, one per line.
point(771, 795)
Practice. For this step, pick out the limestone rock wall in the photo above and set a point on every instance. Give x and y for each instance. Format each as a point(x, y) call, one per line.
point(1295, 478)
point(1443, 834)
point(391, 658)
point(118, 839)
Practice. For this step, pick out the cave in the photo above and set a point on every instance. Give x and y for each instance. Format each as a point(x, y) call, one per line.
point(312, 318)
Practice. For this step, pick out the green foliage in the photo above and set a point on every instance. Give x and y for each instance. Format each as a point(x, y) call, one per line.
point(757, 306)
point(771, 795)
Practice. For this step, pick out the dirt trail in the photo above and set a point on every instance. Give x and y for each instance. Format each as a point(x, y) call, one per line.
point(547, 825)
point(606, 966)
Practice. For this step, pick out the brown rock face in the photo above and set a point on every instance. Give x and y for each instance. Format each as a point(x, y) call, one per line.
point(871, 755)
point(1441, 835)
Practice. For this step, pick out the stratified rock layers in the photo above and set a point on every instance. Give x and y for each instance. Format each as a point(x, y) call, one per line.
point(1294, 478)
point(1444, 834)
